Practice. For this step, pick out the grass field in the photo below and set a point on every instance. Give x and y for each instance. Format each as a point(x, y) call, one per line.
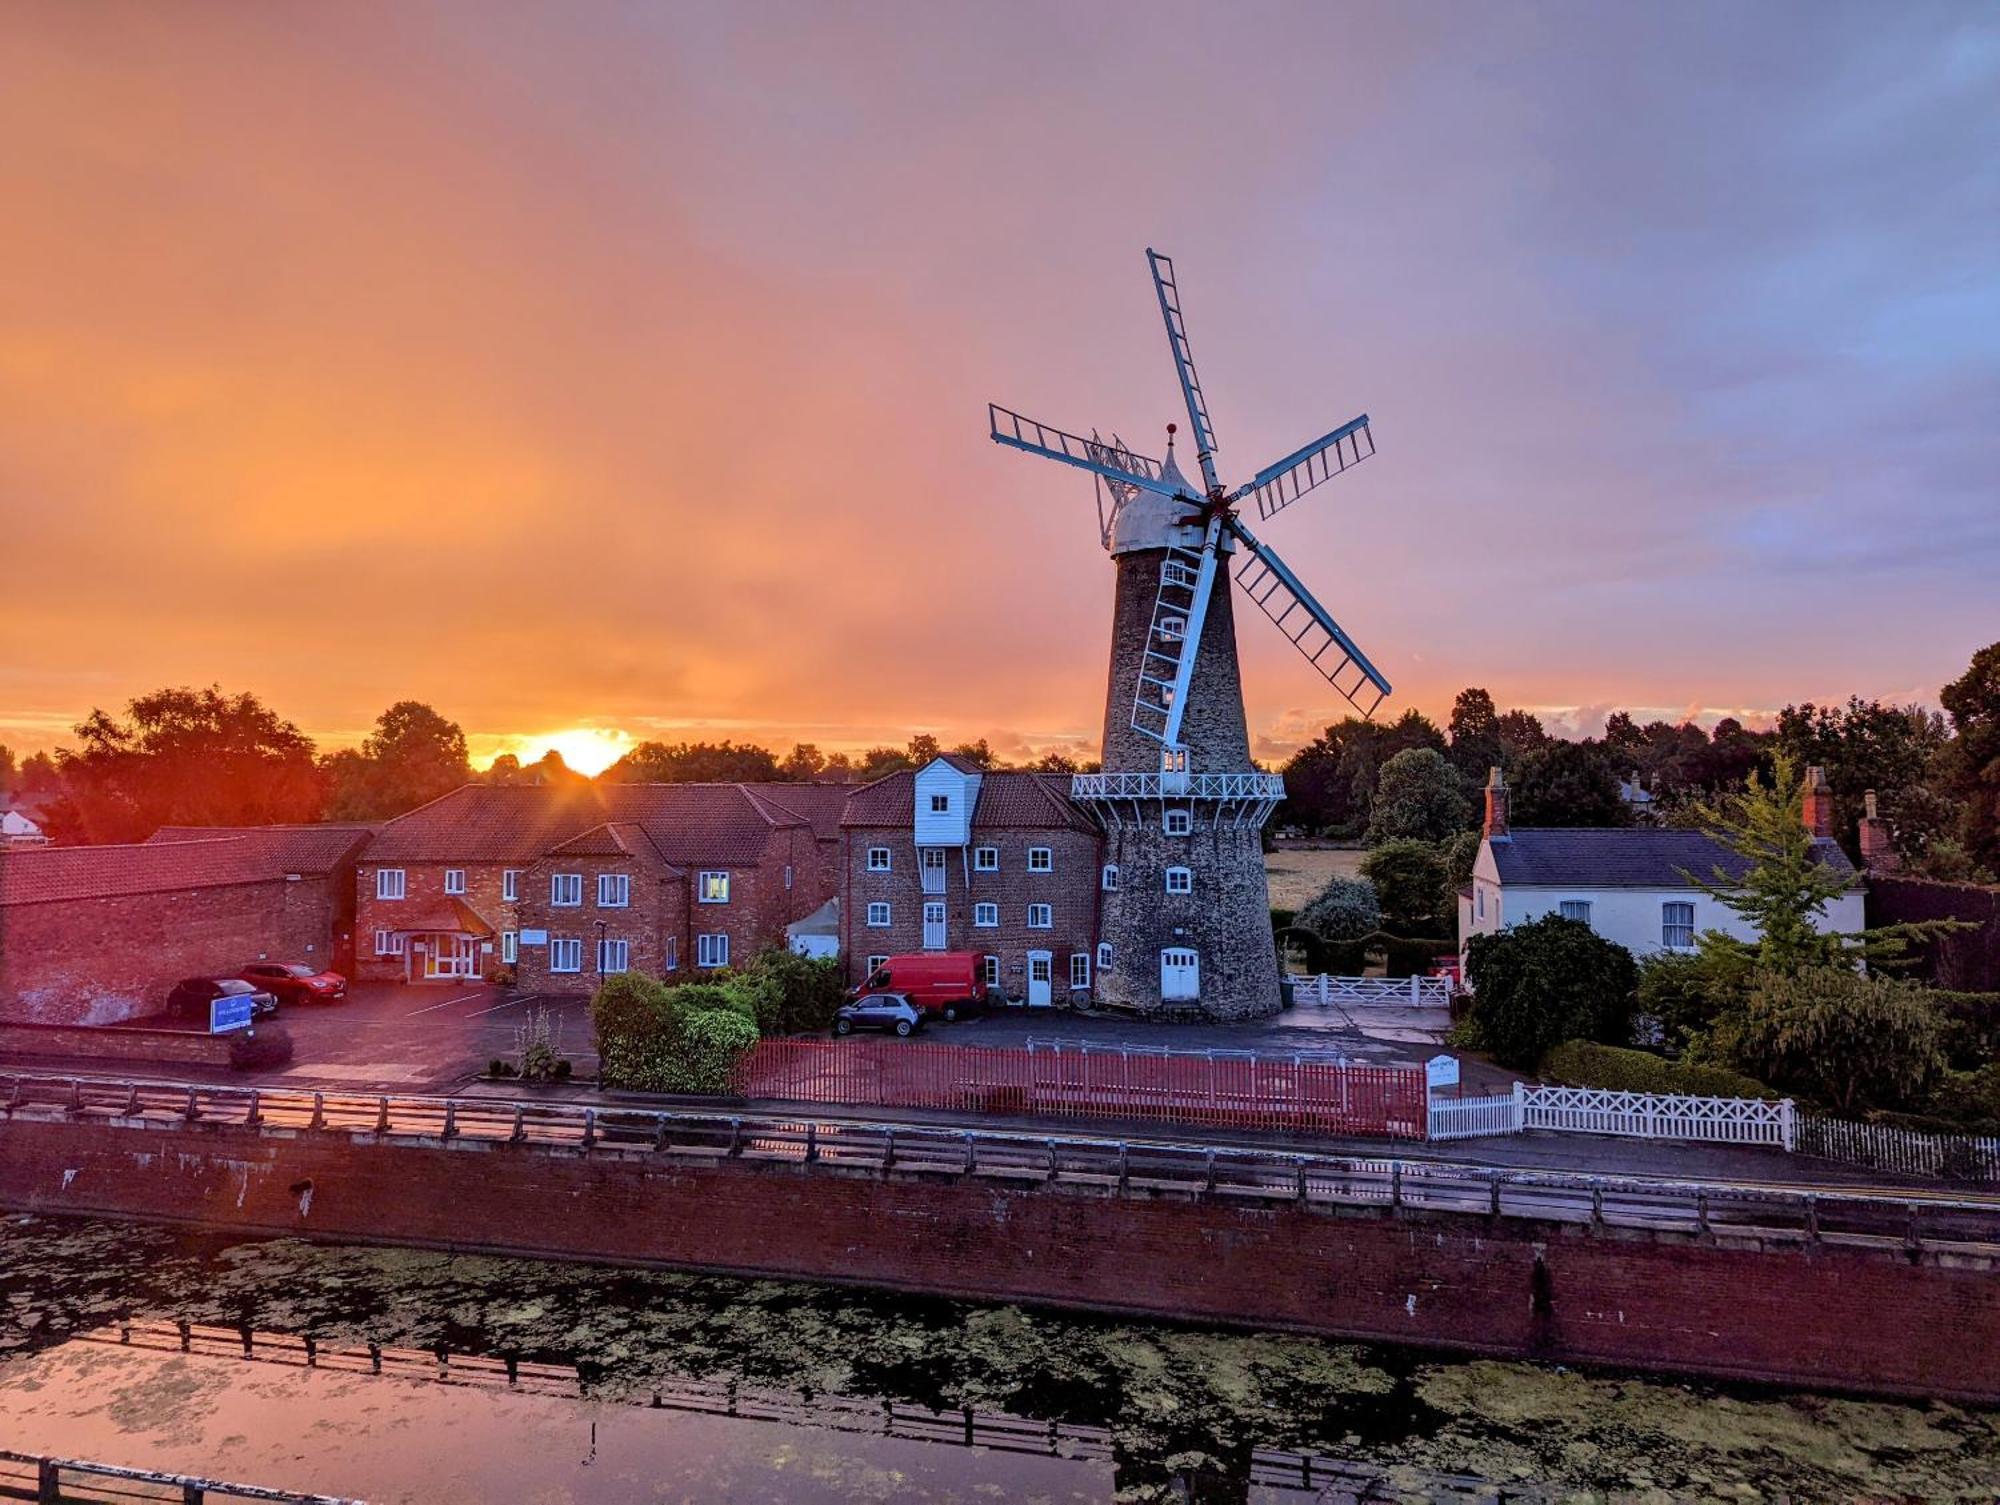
point(1297, 874)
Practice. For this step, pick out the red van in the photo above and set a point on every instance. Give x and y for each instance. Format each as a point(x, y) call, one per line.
point(950, 983)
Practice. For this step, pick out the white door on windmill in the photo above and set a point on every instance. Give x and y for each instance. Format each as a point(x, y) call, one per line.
point(1180, 974)
point(1041, 974)
point(933, 927)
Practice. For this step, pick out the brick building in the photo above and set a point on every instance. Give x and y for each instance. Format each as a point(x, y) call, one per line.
point(570, 882)
point(323, 856)
point(953, 858)
point(96, 935)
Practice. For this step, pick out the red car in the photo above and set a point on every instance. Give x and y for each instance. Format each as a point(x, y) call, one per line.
point(292, 983)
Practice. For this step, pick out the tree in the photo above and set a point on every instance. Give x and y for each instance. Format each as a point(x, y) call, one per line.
point(503, 771)
point(722, 762)
point(1973, 703)
point(185, 757)
point(1863, 745)
point(1345, 910)
point(923, 749)
point(39, 775)
point(8, 772)
point(1055, 762)
point(978, 754)
point(1567, 784)
point(1320, 781)
point(1475, 736)
point(1851, 1040)
point(1417, 796)
point(1550, 980)
point(1411, 884)
point(878, 761)
point(803, 763)
point(1520, 733)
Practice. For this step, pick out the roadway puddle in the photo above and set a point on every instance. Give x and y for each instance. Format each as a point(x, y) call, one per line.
point(493, 1373)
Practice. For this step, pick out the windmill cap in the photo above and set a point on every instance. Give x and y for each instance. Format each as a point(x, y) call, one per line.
point(1151, 521)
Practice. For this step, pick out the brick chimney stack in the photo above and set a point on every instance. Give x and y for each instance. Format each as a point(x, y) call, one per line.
point(1818, 802)
point(1496, 828)
point(1878, 850)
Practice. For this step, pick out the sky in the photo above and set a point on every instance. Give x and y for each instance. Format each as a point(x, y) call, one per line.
point(623, 368)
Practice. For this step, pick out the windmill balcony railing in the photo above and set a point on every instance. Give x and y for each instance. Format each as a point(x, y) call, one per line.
point(1195, 786)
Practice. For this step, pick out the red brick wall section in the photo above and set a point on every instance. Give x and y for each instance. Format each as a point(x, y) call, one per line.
point(1845, 1318)
point(654, 924)
point(116, 1046)
point(423, 887)
point(99, 961)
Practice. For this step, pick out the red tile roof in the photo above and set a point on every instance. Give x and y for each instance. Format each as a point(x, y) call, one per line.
point(688, 824)
point(615, 839)
point(821, 805)
point(317, 848)
point(44, 875)
point(440, 915)
point(1007, 801)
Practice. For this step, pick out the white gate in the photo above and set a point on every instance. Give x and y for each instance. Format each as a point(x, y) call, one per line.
point(1468, 1117)
point(1180, 973)
point(1397, 992)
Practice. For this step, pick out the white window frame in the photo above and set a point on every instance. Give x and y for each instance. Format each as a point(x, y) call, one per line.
point(510, 884)
point(986, 859)
point(1565, 906)
point(1173, 629)
point(1041, 917)
point(1041, 859)
point(613, 956)
point(389, 943)
point(1180, 880)
point(565, 949)
point(711, 949)
point(881, 860)
point(614, 891)
point(986, 916)
point(510, 946)
point(873, 962)
point(1109, 880)
point(712, 887)
point(1105, 956)
point(1479, 901)
point(454, 880)
point(391, 883)
point(1079, 969)
point(1177, 823)
point(671, 962)
point(1173, 572)
point(1668, 926)
point(989, 971)
point(879, 916)
point(1173, 760)
point(940, 804)
point(561, 884)
point(788, 877)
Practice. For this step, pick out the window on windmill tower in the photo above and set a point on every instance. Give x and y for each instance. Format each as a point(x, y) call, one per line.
point(1180, 881)
point(1173, 572)
point(1173, 629)
point(1111, 877)
point(1173, 760)
point(1104, 955)
point(1177, 823)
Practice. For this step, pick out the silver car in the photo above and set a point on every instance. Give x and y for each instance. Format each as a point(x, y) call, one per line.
point(890, 1011)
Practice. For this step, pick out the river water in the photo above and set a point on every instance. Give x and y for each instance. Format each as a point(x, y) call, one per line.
point(393, 1375)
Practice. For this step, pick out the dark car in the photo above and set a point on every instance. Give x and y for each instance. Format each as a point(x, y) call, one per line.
point(890, 1011)
point(293, 983)
point(192, 996)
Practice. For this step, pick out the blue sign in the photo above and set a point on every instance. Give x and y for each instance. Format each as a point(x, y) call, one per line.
point(230, 1012)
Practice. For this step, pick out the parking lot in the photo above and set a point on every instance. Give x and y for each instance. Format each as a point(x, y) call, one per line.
point(432, 1038)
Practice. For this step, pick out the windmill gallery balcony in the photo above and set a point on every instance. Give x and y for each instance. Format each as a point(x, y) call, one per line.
point(1179, 786)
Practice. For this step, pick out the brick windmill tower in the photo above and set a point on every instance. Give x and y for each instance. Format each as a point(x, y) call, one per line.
point(1186, 907)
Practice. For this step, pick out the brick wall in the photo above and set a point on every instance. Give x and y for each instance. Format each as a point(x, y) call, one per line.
point(654, 924)
point(1070, 889)
point(98, 961)
point(1212, 727)
point(115, 1046)
point(1825, 1316)
point(423, 890)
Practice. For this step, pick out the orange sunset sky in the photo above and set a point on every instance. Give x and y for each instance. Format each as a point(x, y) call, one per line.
point(625, 367)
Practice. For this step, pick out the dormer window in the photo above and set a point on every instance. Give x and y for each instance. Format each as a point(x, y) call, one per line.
point(940, 804)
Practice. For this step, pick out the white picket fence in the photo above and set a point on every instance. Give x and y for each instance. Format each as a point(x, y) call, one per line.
point(1635, 1115)
point(1398, 992)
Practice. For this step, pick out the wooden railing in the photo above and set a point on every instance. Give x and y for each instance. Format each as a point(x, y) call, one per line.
point(56, 1481)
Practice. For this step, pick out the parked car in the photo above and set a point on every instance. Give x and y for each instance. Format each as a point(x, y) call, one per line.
point(949, 983)
point(293, 983)
point(890, 1011)
point(191, 997)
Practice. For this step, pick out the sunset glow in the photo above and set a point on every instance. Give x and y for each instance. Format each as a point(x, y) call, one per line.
point(585, 749)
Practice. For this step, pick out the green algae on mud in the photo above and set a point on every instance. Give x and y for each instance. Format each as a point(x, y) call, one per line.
point(1174, 1398)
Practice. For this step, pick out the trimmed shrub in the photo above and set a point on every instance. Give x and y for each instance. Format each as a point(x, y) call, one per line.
point(1584, 1063)
point(1538, 984)
point(712, 997)
point(712, 1043)
point(1345, 910)
point(260, 1049)
point(1411, 885)
point(659, 1039)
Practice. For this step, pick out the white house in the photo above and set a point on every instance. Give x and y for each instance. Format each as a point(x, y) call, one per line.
point(1627, 885)
point(20, 829)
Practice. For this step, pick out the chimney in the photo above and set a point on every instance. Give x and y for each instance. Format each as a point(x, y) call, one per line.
point(1818, 809)
point(1878, 851)
point(1496, 828)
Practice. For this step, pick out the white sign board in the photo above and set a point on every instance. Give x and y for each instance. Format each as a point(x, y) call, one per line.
point(534, 938)
point(1441, 1071)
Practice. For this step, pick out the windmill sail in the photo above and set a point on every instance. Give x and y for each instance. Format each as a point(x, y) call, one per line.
point(1013, 429)
point(1277, 486)
point(1197, 404)
point(1282, 597)
point(1166, 667)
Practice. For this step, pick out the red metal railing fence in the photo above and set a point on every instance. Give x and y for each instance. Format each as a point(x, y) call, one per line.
point(1238, 1092)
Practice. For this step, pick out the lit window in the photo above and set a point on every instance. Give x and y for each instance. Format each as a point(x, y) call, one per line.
point(1576, 909)
point(711, 950)
point(1677, 924)
point(1180, 881)
point(614, 891)
point(565, 890)
point(565, 955)
point(878, 859)
point(389, 883)
point(990, 972)
point(940, 804)
point(1041, 917)
point(510, 884)
point(1104, 956)
point(986, 859)
point(986, 916)
point(1041, 860)
point(713, 888)
point(1178, 823)
point(613, 956)
point(1173, 760)
point(1079, 969)
point(454, 880)
point(510, 946)
point(1111, 877)
point(878, 915)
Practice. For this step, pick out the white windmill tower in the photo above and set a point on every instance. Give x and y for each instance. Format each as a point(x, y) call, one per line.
point(1186, 912)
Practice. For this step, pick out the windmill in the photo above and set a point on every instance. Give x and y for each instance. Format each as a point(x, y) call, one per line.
point(1185, 902)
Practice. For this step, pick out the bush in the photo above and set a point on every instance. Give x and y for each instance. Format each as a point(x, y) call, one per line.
point(713, 1043)
point(1969, 1099)
point(789, 994)
point(712, 997)
point(1409, 879)
point(659, 1039)
point(1686, 991)
point(1848, 1039)
point(1345, 910)
point(260, 1049)
point(1547, 981)
point(1583, 1063)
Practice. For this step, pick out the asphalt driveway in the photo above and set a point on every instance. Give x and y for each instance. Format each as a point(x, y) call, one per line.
point(399, 1037)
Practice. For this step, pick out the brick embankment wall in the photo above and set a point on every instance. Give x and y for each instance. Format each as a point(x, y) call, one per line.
point(115, 1046)
point(1846, 1318)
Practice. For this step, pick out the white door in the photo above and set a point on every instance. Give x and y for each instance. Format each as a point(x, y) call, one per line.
point(1041, 974)
point(1180, 974)
point(933, 927)
point(450, 956)
point(933, 870)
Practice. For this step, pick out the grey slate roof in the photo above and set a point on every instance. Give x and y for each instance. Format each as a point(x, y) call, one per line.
point(1547, 857)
